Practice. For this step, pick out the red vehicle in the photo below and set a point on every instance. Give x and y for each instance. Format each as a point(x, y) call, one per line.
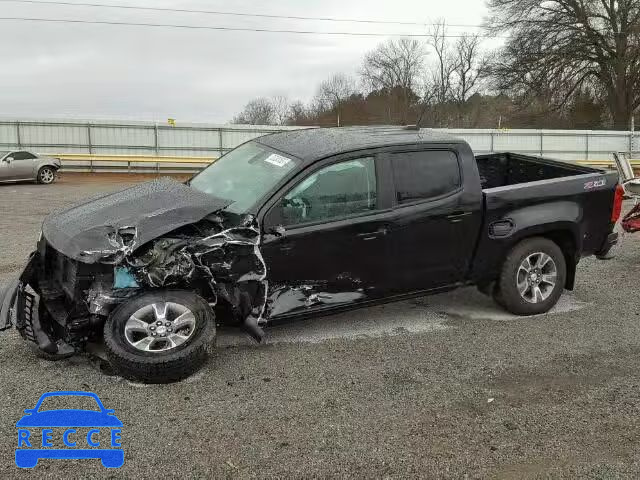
point(630, 186)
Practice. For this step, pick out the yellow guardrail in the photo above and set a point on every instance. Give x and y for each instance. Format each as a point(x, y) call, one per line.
point(81, 160)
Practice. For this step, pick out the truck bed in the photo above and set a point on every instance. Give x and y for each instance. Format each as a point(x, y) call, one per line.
point(502, 169)
point(526, 193)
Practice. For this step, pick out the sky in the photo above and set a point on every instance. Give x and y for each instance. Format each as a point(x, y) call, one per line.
point(139, 73)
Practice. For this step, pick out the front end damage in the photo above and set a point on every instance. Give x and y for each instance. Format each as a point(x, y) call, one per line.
point(76, 278)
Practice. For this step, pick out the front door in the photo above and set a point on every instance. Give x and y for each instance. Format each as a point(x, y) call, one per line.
point(335, 247)
point(18, 166)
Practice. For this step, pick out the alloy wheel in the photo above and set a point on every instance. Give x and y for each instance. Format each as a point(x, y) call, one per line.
point(159, 327)
point(536, 277)
point(46, 175)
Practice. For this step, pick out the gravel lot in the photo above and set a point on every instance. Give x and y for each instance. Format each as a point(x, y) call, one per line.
point(444, 386)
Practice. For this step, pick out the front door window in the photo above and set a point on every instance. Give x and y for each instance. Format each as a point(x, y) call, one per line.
point(337, 191)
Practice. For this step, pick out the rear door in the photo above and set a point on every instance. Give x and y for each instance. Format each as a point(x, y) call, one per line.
point(437, 218)
point(335, 249)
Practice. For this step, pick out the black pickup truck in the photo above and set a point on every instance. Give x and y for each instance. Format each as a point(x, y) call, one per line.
point(302, 223)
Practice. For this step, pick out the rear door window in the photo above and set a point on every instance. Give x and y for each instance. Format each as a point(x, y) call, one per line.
point(425, 175)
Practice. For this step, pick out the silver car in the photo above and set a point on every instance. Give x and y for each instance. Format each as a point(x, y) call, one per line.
point(21, 165)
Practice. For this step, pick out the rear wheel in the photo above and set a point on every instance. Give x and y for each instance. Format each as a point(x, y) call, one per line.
point(46, 175)
point(532, 278)
point(160, 337)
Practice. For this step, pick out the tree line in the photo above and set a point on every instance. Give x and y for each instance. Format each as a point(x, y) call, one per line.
point(571, 64)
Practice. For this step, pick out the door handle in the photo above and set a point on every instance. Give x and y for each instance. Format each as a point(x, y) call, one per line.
point(381, 232)
point(457, 216)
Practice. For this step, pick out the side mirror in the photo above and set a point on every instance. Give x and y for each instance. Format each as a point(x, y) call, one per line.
point(8, 159)
point(109, 411)
point(29, 410)
point(273, 224)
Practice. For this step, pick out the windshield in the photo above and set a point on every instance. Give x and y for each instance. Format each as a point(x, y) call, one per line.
point(2, 154)
point(243, 175)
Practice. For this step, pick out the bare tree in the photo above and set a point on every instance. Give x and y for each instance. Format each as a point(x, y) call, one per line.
point(298, 113)
point(258, 111)
point(394, 66)
point(281, 109)
point(557, 48)
point(334, 91)
point(445, 64)
point(428, 93)
point(469, 67)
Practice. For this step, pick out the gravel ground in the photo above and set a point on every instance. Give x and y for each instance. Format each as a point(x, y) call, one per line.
point(445, 386)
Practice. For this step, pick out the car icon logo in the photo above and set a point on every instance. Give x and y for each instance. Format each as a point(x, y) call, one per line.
point(69, 433)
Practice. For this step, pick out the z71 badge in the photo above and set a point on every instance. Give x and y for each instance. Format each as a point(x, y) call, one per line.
point(595, 184)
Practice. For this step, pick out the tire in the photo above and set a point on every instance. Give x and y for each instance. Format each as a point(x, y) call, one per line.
point(46, 175)
point(514, 278)
point(160, 362)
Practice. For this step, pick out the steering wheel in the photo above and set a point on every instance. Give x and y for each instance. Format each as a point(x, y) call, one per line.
point(301, 204)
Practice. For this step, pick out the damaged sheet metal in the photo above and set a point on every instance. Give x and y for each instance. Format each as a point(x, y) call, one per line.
point(218, 257)
point(111, 227)
point(156, 235)
point(288, 300)
point(223, 261)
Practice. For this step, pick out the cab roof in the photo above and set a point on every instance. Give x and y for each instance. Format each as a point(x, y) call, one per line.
point(312, 144)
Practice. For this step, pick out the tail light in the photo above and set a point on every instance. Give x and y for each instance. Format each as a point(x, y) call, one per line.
point(617, 203)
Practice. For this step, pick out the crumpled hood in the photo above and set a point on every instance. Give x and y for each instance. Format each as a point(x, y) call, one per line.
point(123, 221)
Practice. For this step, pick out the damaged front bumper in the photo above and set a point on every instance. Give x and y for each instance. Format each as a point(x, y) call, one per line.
point(19, 307)
point(13, 297)
point(50, 327)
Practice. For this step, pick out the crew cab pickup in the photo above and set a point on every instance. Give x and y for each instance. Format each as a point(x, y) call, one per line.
point(303, 223)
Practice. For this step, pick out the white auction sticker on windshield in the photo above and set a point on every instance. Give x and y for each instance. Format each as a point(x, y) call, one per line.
point(277, 160)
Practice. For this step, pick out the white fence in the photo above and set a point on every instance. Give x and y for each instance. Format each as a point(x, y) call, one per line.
point(102, 139)
point(126, 138)
point(568, 145)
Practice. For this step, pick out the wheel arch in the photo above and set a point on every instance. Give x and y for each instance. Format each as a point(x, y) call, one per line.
point(50, 165)
point(565, 239)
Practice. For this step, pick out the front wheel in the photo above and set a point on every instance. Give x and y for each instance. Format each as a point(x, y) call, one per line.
point(160, 337)
point(46, 175)
point(532, 278)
